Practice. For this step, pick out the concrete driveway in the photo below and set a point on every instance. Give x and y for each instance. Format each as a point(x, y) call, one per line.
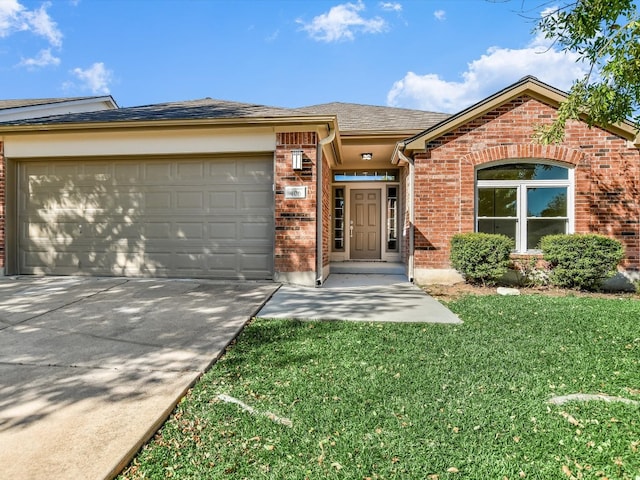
point(90, 367)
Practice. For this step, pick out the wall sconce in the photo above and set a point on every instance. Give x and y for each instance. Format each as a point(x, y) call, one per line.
point(366, 156)
point(296, 159)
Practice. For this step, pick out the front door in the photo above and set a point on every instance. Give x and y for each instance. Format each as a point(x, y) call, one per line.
point(364, 228)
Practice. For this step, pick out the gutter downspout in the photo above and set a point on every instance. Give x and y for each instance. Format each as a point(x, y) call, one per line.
point(319, 224)
point(412, 216)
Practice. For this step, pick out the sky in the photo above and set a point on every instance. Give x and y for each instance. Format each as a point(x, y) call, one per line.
point(435, 55)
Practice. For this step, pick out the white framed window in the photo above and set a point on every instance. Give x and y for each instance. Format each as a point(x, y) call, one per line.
point(524, 201)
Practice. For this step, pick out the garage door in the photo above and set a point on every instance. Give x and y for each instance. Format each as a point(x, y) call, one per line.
point(208, 218)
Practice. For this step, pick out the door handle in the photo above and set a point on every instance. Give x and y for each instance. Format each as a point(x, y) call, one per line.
point(350, 231)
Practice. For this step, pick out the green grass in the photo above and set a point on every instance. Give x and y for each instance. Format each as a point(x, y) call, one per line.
point(418, 401)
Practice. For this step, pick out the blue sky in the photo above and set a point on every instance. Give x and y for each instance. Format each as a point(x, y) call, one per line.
point(438, 55)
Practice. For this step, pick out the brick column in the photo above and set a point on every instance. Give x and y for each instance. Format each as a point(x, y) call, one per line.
point(295, 219)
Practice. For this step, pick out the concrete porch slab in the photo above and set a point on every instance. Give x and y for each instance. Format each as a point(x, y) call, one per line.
point(358, 297)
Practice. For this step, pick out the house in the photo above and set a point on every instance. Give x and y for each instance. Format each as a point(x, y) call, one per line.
point(219, 189)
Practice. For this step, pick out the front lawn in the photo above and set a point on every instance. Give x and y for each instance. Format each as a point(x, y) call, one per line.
point(417, 401)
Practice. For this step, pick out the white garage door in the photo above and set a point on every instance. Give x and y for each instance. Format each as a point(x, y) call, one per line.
point(208, 218)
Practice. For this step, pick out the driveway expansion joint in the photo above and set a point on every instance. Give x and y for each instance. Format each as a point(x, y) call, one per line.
point(73, 302)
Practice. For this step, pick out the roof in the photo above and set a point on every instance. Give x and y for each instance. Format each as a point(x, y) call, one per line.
point(205, 108)
point(41, 102)
point(528, 85)
point(31, 102)
point(368, 118)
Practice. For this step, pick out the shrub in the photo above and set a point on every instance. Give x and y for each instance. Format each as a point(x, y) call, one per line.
point(530, 271)
point(481, 257)
point(582, 261)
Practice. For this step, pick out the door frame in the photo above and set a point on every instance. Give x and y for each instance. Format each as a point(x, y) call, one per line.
point(352, 226)
point(385, 256)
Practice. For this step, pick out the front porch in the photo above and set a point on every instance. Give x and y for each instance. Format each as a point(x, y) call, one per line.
point(368, 268)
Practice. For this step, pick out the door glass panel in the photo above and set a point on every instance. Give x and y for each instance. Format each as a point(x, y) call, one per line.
point(392, 222)
point(338, 219)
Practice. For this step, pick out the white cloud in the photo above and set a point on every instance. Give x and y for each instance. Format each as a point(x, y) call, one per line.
point(391, 6)
point(42, 24)
point(14, 17)
point(496, 69)
point(341, 23)
point(43, 59)
point(440, 15)
point(95, 78)
point(10, 13)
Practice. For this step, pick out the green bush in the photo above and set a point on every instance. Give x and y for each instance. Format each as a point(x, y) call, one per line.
point(481, 257)
point(582, 261)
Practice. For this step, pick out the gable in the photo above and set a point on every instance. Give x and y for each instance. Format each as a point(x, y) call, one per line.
point(529, 88)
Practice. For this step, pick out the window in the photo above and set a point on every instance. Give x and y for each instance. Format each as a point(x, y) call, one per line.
point(392, 219)
point(369, 176)
point(338, 219)
point(524, 201)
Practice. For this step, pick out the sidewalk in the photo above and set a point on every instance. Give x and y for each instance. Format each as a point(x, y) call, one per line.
point(358, 297)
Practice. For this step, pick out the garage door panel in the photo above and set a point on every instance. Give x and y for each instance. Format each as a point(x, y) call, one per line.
point(125, 173)
point(157, 173)
point(223, 231)
point(191, 171)
point(190, 201)
point(255, 230)
point(160, 201)
point(254, 199)
point(190, 231)
point(98, 218)
point(221, 200)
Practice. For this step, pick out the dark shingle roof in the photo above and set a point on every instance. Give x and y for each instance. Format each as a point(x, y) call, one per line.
point(351, 117)
point(205, 108)
point(356, 117)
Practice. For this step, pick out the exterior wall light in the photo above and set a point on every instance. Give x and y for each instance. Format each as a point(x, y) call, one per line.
point(296, 159)
point(366, 156)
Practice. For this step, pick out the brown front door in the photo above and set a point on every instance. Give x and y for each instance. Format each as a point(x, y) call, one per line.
point(365, 224)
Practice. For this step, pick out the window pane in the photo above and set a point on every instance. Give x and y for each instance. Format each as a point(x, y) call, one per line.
point(538, 228)
point(523, 171)
point(338, 216)
point(392, 219)
point(547, 202)
point(497, 202)
point(504, 227)
point(369, 176)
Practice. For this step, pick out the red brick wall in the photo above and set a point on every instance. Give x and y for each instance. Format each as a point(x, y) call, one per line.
point(295, 220)
point(3, 176)
point(607, 177)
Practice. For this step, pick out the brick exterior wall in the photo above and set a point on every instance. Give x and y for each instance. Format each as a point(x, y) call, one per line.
point(295, 220)
point(607, 178)
point(3, 177)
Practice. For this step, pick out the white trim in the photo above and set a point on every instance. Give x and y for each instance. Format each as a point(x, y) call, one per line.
point(336, 256)
point(521, 187)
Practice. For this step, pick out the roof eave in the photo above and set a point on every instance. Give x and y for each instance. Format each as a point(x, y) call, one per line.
point(107, 99)
point(173, 123)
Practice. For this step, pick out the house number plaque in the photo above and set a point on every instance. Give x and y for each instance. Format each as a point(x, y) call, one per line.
point(295, 192)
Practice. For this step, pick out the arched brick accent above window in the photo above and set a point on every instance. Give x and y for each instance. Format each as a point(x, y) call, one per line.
point(524, 151)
